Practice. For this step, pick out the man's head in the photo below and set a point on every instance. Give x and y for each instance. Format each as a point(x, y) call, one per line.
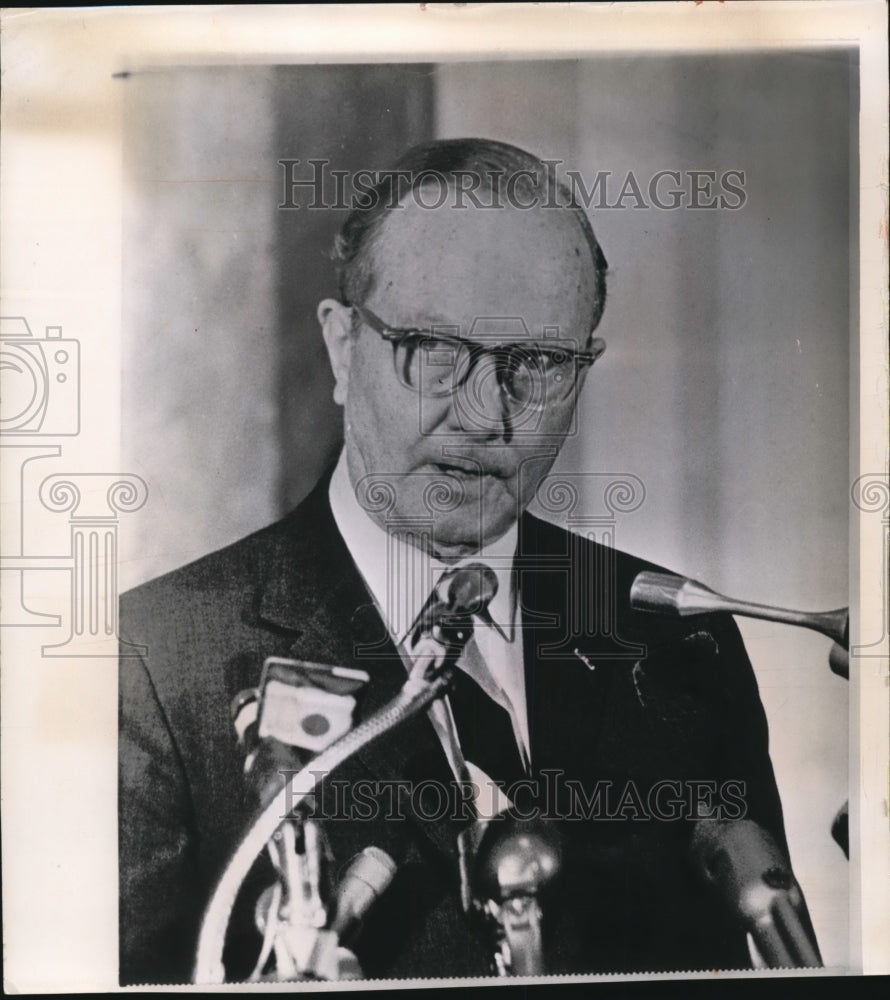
point(461, 436)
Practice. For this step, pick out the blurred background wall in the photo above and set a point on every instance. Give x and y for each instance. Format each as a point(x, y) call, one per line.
point(725, 387)
point(227, 408)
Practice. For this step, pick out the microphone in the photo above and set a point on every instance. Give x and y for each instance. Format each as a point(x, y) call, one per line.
point(744, 865)
point(320, 949)
point(840, 829)
point(364, 880)
point(665, 593)
point(508, 868)
point(460, 594)
point(298, 709)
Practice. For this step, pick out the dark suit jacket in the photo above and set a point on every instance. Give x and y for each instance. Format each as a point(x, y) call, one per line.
point(629, 901)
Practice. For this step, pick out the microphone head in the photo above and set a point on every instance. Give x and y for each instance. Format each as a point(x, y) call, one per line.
point(374, 867)
point(448, 614)
point(840, 829)
point(516, 858)
point(658, 592)
point(667, 594)
point(364, 880)
point(746, 868)
point(470, 589)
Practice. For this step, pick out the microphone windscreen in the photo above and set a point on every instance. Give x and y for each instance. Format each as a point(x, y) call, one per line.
point(471, 589)
point(516, 857)
point(840, 829)
point(732, 855)
point(366, 877)
point(459, 594)
point(745, 866)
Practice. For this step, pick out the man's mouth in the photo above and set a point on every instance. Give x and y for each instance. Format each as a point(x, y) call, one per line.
point(461, 470)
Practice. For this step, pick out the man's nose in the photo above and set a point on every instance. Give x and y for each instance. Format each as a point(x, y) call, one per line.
point(479, 405)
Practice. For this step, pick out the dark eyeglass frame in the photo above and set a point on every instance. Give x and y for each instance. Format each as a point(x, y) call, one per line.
point(512, 352)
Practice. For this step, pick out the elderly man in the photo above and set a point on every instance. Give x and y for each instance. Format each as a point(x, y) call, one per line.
point(462, 338)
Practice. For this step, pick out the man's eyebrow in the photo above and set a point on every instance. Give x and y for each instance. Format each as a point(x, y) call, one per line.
point(436, 319)
point(448, 327)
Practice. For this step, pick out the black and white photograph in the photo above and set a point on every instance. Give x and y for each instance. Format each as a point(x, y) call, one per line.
point(445, 498)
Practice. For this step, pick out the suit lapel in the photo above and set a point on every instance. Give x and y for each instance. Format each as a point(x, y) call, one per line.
point(569, 660)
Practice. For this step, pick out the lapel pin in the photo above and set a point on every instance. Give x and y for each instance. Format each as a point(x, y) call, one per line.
point(584, 660)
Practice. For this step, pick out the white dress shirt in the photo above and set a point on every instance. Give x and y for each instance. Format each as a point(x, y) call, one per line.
point(401, 576)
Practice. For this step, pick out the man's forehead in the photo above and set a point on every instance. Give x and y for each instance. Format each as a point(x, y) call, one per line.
point(533, 263)
point(412, 222)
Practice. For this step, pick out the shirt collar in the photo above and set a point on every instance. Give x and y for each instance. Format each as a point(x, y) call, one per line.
point(400, 575)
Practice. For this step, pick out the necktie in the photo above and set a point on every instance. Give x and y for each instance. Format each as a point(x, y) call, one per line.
point(474, 714)
point(484, 728)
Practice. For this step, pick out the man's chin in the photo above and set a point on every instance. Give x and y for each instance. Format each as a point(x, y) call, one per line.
point(452, 541)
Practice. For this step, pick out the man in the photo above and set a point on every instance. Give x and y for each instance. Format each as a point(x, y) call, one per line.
point(461, 341)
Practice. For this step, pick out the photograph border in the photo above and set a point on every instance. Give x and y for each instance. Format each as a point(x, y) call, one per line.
point(61, 184)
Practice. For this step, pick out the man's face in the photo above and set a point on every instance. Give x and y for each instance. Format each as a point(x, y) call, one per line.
point(460, 460)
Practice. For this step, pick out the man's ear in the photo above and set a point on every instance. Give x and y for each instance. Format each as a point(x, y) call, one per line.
point(336, 328)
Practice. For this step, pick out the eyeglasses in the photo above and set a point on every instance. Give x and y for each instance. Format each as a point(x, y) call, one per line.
point(435, 363)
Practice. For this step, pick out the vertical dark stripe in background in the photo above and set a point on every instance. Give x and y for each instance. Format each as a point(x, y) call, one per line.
point(357, 118)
